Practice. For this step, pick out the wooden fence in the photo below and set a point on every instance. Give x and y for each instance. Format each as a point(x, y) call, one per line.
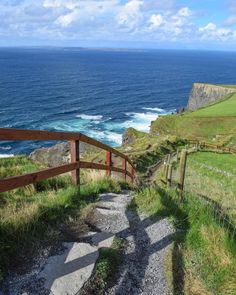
point(182, 157)
point(128, 169)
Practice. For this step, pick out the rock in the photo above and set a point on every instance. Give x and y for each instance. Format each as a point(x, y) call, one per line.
point(53, 156)
point(58, 154)
point(67, 273)
point(181, 110)
point(203, 94)
point(130, 135)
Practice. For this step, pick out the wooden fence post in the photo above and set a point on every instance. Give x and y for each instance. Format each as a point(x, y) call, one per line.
point(125, 168)
point(133, 174)
point(108, 163)
point(182, 167)
point(177, 155)
point(166, 172)
point(169, 174)
point(75, 157)
point(166, 167)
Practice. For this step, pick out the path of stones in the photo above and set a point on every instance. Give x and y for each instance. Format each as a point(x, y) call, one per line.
point(142, 269)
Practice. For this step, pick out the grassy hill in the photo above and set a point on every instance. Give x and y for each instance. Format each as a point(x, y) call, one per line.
point(213, 123)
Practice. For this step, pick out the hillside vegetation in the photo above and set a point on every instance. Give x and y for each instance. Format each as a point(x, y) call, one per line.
point(213, 123)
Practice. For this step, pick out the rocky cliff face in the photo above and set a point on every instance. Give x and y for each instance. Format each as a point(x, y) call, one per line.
point(203, 94)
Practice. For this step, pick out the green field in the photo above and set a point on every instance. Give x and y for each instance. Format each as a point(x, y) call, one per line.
point(222, 109)
point(215, 123)
point(214, 176)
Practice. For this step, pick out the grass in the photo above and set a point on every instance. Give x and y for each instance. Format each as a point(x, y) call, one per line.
point(106, 269)
point(204, 254)
point(214, 123)
point(226, 108)
point(30, 216)
point(147, 149)
point(213, 175)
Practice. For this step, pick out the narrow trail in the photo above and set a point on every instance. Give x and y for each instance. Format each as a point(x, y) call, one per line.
point(67, 271)
point(142, 270)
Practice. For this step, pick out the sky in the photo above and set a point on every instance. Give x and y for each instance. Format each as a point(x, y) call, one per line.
point(173, 24)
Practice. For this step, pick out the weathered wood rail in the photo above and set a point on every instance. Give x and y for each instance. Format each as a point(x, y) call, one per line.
point(128, 169)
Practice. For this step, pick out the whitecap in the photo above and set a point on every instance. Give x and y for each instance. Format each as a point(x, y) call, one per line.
point(6, 148)
point(90, 117)
point(159, 110)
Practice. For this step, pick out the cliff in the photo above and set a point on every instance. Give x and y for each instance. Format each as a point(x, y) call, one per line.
point(204, 94)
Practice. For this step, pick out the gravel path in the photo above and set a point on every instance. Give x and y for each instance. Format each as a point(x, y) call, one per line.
point(142, 270)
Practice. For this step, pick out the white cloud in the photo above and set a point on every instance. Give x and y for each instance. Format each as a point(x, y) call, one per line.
point(184, 12)
point(156, 20)
point(211, 27)
point(212, 32)
point(171, 24)
point(130, 15)
point(129, 20)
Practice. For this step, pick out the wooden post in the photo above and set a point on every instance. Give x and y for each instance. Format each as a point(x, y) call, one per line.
point(125, 168)
point(182, 167)
point(108, 163)
point(177, 155)
point(133, 174)
point(168, 159)
point(166, 173)
point(75, 157)
point(169, 175)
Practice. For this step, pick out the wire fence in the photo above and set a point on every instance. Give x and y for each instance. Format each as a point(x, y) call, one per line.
point(214, 185)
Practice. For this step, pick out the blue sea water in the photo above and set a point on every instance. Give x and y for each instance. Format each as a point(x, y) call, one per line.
point(99, 92)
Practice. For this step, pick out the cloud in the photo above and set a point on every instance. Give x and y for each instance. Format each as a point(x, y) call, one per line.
point(211, 27)
point(212, 32)
point(109, 20)
point(171, 24)
point(156, 20)
point(130, 15)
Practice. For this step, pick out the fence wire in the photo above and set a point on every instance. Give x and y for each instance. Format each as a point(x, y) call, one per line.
point(214, 186)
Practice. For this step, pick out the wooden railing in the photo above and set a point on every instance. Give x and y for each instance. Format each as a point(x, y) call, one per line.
point(76, 164)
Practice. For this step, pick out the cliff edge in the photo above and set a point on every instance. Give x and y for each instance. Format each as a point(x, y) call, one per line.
point(204, 94)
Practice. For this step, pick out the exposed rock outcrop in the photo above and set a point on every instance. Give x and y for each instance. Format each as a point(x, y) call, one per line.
point(58, 154)
point(203, 94)
point(130, 135)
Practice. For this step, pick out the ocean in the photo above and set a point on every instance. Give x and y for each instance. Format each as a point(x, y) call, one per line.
point(99, 92)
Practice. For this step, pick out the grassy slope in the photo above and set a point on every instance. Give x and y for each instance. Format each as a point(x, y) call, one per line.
point(204, 255)
point(225, 108)
point(212, 123)
point(213, 175)
point(29, 216)
point(148, 149)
